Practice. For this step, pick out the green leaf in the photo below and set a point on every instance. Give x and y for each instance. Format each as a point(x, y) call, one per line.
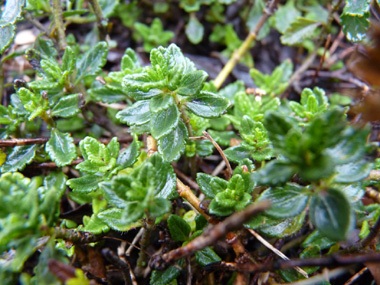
point(318, 240)
point(159, 207)
point(61, 148)
point(172, 145)
point(254, 17)
point(66, 106)
point(94, 225)
point(330, 212)
point(164, 121)
point(355, 27)
point(211, 185)
point(355, 7)
point(11, 12)
point(129, 156)
point(7, 34)
point(284, 16)
point(85, 184)
point(206, 104)
point(206, 256)
point(274, 173)
point(51, 69)
point(179, 229)
point(285, 228)
point(299, 30)
point(160, 102)
point(92, 61)
point(287, 201)
point(19, 157)
point(191, 83)
point(238, 153)
point(194, 30)
point(137, 114)
point(167, 276)
point(106, 94)
point(165, 177)
point(353, 171)
point(112, 217)
point(223, 138)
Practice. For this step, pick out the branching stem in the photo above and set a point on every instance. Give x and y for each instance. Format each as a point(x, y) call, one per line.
point(58, 20)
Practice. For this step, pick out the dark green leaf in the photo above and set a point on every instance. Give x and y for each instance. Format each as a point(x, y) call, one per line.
point(191, 83)
point(19, 157)
point(85, 183)
point(179, 229)
point(164, 121)
point(106, 95)
point(194, 30)
point(66, 106)
point(159, 207)
point(285, 228)
point(330, 212)
point(61, 148)
point(287, 201)
point(172, 145)
point(206, 256)
point(92, 61)
point(353, 171)
point(160, 102)
point(318, 240)
point(112, 217)
point(207, 104)
point(167, 276)
point(274, 173)
point(355, 27)
point(223, 137)
point(137, 114)
point(129, 156)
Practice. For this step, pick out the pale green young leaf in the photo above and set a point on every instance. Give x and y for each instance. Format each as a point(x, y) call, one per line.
point(51, 69)
point(68, 60)
point(61, 148)
point(284, 16)
point(172, 145)
point(211, 185)
point(299, 30)
point(194, 30)
point(112, 217)
point(66, 106)
point(137, 114)
point(19, 157)
point(113, 148)
point(129, 60)
point(164, 121)
point(355, 7)
point(207, 104)
point(92, 61)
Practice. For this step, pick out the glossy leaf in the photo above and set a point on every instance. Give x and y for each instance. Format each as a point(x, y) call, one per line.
point(112, 217)
point(355, 27)
point(129, 156)
point(207, 104)
point(164, 121)
point(330, 212)
point(66, 106)
point(179, 229)
point(19, 157)
point(285, 228)
point(167, 276)
point(61, 148)
point(172, 145)
point(191, 83)
point(137, 114)
point(211, 185)
point(238, 153)
point(274, 173)
point(11, 12)
point(206, 256)
point(353, 171)
point(287, 201)
point(92, 61)
point(85, 184)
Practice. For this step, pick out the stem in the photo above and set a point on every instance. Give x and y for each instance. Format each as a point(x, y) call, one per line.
point(58, 19)
point(123, 265)
point(209, 236)
point(74, 236)
point(229, 169)
point(144, 243)
point(373, 233)
point(238, 54)
point(100, 20)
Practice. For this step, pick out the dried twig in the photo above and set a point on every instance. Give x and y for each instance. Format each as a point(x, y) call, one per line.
point(238, 54)
point(276, 251)
point(334, 260)
point(123, 265)
point(209, 236)
point(218, 148)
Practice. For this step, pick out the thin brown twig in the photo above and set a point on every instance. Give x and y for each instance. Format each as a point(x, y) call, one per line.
point(354, 279)
point(30, 141)
point(218, 148)
point(187, 179)
point(334, 260)
point(209, 236)
point(123, 265)
point(322, 59)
